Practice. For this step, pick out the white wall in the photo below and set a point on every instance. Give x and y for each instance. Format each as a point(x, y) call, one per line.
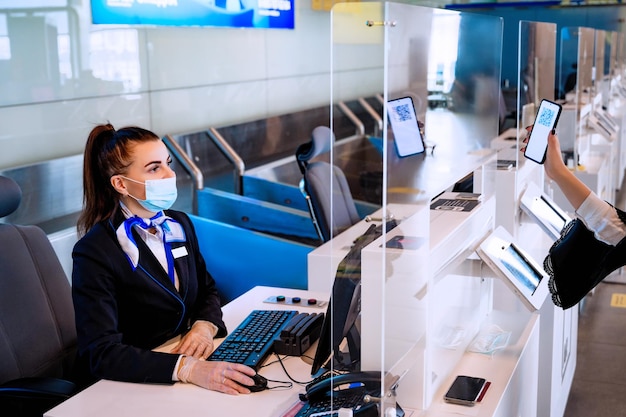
point(57, 79)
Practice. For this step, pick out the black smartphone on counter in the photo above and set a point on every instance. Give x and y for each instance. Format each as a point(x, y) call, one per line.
point(465, 390)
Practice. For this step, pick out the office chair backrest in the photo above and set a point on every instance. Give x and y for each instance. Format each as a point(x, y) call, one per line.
point(37, 329)
point(325, 187)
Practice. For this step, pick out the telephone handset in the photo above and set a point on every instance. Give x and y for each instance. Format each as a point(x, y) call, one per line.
point(350, 390)
point(366, 380)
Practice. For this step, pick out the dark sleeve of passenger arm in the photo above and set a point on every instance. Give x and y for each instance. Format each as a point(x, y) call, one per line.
point(621, 214)
point(99, 339)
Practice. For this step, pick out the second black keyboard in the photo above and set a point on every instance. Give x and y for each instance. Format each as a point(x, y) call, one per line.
point(252, 341)
point(353, 399)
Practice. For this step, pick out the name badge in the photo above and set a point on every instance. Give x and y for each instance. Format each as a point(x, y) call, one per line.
point(179, 252)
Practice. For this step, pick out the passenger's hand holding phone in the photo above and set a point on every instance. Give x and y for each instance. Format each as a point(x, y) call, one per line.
point(545, 122)
point(553, 163)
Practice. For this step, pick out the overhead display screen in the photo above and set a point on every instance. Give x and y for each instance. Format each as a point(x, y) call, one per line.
point(267, 14)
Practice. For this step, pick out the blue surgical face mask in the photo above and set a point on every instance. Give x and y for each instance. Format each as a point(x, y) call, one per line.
point(160, 194)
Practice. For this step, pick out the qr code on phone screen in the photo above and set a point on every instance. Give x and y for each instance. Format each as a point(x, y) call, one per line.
point(545, 118)
point(402, 112)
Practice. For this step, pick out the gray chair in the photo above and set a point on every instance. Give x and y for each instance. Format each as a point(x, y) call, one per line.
point(37, 329)
point(325, 187)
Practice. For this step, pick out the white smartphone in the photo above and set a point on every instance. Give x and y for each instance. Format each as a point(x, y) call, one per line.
point(546, 120)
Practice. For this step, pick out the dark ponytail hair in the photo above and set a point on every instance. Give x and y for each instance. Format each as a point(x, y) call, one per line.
point(107, 153)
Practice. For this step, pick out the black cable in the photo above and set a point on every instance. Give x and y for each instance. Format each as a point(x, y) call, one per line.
point(291, 379)
point(280, 361)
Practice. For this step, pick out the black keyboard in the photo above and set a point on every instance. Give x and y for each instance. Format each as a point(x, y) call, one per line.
point(349, 398)
point(252, 341)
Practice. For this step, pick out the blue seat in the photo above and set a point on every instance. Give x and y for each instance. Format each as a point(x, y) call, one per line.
point(325, 187)
point(240, 259)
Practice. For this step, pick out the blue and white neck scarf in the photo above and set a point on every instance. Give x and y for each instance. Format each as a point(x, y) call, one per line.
point(171, 231)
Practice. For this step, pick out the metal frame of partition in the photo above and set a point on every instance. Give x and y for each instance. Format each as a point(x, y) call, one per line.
point(239, 165)
point(377, 117)
point(51, 193)
point(232, 156)
point(188, 165)
point(360, 128)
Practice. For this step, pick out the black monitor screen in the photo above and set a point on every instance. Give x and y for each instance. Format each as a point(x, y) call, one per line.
point(521, 268)
point(339, 346)
point(547, 215)
point(551, 215)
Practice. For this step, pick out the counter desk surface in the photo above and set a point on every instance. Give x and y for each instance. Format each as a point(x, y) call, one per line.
point(121, 399)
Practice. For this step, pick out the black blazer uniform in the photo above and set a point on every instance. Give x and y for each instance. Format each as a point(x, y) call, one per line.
point(122, 314)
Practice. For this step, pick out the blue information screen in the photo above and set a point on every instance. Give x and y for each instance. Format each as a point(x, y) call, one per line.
point(527, 275)
point(269, 14)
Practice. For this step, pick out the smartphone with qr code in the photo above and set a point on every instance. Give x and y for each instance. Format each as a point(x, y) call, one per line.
point(407, 135)
point(546, 120)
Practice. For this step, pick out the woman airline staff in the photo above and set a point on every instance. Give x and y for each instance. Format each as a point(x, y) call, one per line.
point(139, 278)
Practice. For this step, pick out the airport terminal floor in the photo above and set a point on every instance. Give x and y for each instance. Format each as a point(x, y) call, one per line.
point(599, 383)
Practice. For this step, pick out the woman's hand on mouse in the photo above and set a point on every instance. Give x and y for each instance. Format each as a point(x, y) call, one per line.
point(225, 377)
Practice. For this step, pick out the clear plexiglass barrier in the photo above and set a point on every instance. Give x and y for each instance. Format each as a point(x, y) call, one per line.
point(435, 76)
point(576, 72)
point(536, 71)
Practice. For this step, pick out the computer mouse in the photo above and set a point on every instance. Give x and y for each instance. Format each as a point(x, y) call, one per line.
point(260, 383)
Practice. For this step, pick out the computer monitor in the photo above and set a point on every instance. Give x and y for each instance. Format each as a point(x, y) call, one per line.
point(522, 274)
point(339, 345)
point(545, 212)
